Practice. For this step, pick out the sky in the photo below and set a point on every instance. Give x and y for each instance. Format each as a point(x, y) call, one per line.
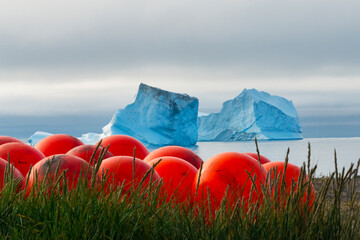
point(89, 57)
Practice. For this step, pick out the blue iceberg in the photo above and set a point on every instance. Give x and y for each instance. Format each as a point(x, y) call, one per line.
point(157, 117)
point(87, 138)
point(37, 136)
point(251, 114)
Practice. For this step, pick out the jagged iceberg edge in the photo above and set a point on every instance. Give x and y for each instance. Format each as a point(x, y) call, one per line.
point(157, 117)
point(252, 114)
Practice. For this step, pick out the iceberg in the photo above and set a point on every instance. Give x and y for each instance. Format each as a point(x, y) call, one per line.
point(37, 136)
point(86, 138)
point(91, 138)
point(157, 117)
point(252, 114)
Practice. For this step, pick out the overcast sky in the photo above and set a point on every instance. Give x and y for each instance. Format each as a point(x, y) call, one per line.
point(65, 57)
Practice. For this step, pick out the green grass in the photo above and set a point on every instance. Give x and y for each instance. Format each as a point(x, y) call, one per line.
point(85, 214)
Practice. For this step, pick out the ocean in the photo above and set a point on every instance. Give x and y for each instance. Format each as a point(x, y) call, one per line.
point(322, 148)
point(322, 151)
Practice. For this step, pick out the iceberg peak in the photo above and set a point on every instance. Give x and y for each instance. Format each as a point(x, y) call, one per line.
point(157, 117)
point(251, 114)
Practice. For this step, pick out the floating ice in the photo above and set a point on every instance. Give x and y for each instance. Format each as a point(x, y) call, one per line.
point(251, 114)
point(91, 138)
point(37, 136)
point(157, 117)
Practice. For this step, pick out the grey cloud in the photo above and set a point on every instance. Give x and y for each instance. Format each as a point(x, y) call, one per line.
point(208, 49)
point(255, 38)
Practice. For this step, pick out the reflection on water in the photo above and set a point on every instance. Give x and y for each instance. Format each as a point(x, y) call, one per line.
point(322, 151)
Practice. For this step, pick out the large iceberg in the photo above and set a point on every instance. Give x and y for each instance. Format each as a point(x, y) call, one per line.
point(251, 114)
point(157, 117)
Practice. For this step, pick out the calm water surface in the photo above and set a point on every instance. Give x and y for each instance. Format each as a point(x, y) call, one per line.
point(322, 151)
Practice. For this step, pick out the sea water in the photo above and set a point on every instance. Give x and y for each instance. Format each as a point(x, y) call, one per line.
point(322, 151)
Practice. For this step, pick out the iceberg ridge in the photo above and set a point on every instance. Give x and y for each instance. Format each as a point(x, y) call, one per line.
point(251, 114)
point(157, 117)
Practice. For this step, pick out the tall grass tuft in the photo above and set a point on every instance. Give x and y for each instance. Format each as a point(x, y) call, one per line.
point(89, 213)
